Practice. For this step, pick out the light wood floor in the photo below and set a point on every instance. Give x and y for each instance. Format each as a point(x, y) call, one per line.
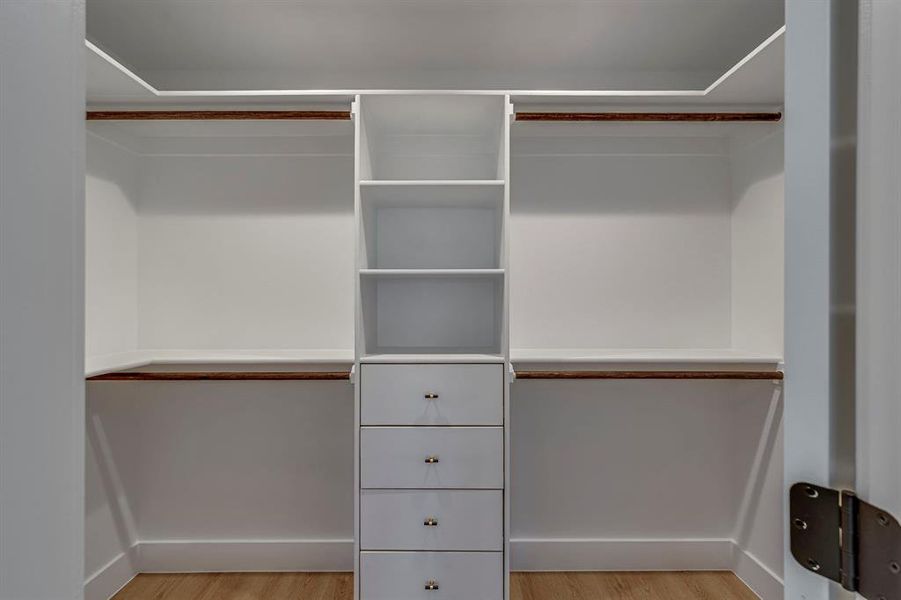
point(698, 585)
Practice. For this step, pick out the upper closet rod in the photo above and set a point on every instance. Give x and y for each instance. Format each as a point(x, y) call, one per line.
point(651, 117)
point(341, 115)
point(218, 115)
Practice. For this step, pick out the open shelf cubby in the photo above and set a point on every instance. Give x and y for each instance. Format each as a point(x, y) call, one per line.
point(432, 311)
point(453, 225)
point(432, 137)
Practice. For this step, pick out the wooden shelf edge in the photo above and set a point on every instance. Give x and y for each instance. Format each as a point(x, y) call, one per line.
point(223, 376)
point(733, 375)
point(218, 115)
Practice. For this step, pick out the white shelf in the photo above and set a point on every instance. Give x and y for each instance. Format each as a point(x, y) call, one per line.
point(432, 358)
point(98, 365)
point(649, 356)
point(599, 358)
point(431, 272)
point(431, 183)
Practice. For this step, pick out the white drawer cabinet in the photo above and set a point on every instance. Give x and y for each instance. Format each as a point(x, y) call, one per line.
point(432, 457)
point(432, 394)
point(431, 575)
point(431, 520)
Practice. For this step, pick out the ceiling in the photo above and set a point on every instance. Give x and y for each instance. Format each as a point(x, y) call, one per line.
point(430, 44)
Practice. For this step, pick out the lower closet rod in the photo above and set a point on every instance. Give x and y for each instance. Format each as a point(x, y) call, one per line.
point(224, 376)
point(218, 115)
point(651, 117)
point(734, 375)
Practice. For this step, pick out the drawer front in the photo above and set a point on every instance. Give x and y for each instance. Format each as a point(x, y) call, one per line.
point(432, 394)
point(432, 457)
point(457, 575)
point(463, 520)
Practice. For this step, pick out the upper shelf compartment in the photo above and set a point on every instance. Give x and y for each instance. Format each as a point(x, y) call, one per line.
point(431, 225)
point(430, 137)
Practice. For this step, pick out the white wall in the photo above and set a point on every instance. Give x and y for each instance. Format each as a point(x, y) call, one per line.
point(111, 248)
point(259, 474)
point(228, 236)
point(758, 250)
point(632, 459)
point(758, 239)
point(614, 230)
point(41, 299)
point(639, 475)
point(243, 252)
point(657, 236)
point(220, 236)
point(605, 474)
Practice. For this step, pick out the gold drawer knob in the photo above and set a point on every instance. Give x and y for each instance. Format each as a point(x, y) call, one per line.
point(431, 585)
point(430, 522)
point(431, 396)
point(431, 460)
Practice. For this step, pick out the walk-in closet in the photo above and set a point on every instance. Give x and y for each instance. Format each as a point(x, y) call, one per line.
point(387, 341)
point(450, 299)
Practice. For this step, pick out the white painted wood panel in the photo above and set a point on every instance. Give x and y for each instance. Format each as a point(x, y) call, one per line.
point(459, 575)
point(879, 257)
point(42, 154)
point(432, 457)
point(466, 394)
point(466, 520)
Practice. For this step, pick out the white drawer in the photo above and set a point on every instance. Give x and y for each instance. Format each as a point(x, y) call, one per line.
point(432, 457)
point(465, 520)
point(431, 394)
point(457, 575)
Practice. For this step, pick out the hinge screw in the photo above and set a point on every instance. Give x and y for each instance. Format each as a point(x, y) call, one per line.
point(883, 519)
point(894, 567)
point(814, 565)
point(800, 524)
point(811, 492)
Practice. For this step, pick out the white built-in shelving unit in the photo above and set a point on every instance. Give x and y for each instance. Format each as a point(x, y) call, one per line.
point(431, 239)
point(432, 201)
point(432, 206)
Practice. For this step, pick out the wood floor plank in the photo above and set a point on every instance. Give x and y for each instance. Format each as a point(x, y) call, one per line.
point(668, 585)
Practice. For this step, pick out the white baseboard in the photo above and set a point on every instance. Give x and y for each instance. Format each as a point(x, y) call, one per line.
point(757, 576)
point(245, 555)
point(646, 555)
point(111, 578)
point(567, 554)
point(576, 554)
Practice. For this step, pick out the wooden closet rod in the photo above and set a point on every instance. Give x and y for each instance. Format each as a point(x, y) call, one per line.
point(742, 375)
point(218, 115)
point(650, 116)
point(224, 376)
